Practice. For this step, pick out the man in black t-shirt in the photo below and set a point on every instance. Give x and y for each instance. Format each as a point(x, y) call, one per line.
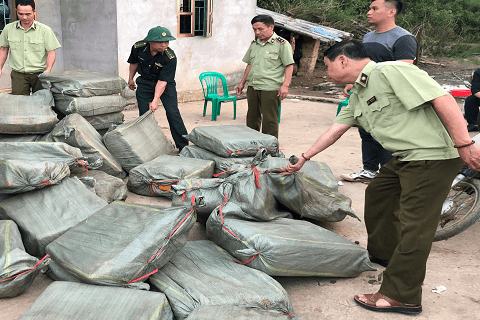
point(388, 42)
point(156, 63)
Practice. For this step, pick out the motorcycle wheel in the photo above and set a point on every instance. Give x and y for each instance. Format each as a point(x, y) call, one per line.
point(461, 209)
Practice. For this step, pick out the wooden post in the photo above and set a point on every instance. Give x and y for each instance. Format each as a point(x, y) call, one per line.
point(309, 55)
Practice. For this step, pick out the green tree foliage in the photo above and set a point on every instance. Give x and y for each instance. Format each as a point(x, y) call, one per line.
point(449, 27)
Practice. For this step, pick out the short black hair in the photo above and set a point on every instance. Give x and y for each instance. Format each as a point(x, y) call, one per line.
point(263, 18)
point(352, 49)
point(25, 3)
point(398, 4)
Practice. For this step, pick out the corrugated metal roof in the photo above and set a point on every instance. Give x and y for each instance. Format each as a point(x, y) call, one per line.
point(307, 28)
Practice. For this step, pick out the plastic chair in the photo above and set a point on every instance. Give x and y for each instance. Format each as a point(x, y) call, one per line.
point(209, 81)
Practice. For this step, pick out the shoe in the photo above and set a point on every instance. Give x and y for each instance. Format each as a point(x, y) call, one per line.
point(383, 263)
point(361, 176)
point(472, 127)
point(395, 306)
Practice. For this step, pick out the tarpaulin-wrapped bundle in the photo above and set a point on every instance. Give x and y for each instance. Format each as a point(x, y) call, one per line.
point(232, 140)
point(18, 268)
point(105, 121)
point(27, 114)
point(77, 132)
point(308, 197)
point(18, 176)
point(106, 186)
point(123, 244)
point(221, 164)
point(250, 190)
point(316, 171)
point(285, 247)
point(79, 301)
point(230, 312)
point(204, 274)
point(155, 177)
point(43, 215)
point(137, 141)
point(213, 191)
point(91, 106)
point(20, 137)
point(43, 151)
point(82, 83)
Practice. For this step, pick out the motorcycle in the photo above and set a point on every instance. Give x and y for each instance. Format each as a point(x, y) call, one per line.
point(461, 209)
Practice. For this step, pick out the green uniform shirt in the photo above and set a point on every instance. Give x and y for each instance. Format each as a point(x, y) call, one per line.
point(390, 100)
point(268, 61)
point(28, 48)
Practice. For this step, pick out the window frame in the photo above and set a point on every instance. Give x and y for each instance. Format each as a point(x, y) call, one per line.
point(207, 20)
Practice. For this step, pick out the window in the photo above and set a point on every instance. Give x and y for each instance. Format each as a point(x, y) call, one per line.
point(194, 18)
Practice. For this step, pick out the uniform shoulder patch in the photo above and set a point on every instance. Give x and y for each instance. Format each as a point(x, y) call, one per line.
point(169, 53)
point(140, 44)
point(281, 40)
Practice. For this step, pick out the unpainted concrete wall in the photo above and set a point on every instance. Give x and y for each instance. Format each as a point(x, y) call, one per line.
point(89, 33)
point(223, 52)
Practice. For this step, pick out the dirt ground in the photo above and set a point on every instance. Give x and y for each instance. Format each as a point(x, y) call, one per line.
point(454, 263)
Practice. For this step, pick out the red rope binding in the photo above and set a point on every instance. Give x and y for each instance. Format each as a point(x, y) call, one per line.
point(35, 267)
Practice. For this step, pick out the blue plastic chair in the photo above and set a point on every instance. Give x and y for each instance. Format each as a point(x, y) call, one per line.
point(209, 81)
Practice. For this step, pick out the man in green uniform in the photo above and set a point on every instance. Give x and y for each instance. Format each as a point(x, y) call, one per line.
point(156, 63)
point(269, 72)
point(32, 49)
point(409, 114)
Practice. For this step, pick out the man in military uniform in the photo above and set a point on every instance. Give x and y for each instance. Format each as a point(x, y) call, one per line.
point(156, 63)
point(269, 72)
point(408, 113)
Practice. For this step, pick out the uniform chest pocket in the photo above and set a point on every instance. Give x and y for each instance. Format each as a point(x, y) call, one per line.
point(156, 69)
point(37, 45)
point(14, 43)
point(383, 113)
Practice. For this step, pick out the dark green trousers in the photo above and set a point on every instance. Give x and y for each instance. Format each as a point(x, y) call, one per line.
point(23, 83)
point(263, 111)
point(403, 204)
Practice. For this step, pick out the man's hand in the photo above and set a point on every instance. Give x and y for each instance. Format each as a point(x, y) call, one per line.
point(347, 89)
point(239, 88)
point(153, 105)
point(291, 168)
point(471, 156)
point(282, 92)
point(131, 84)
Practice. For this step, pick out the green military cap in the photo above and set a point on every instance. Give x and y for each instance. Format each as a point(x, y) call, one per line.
point(159, 34)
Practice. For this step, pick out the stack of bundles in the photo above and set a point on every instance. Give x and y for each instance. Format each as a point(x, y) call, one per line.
point(95, 96)
point(221, 164)
point(107, 187)
point(74, 130)
point(43, 215)
point(121, 245)
point(18, 176)
point(57, 152)
point(285, 247)
point(78, 301)
point(18, 268)
point(229, 146)
point(27, 114)
point(154, 178)
point(137, 141)
point(229, 312)
point(202, 274)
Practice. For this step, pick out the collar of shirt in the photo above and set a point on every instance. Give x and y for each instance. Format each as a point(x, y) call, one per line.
point(270, 40)
point(33, 26)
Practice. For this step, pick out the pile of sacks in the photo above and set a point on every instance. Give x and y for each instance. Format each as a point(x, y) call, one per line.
point(93, 95)
point(97, 247)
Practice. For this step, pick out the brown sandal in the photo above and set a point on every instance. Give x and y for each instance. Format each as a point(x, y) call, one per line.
point(395, 306)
